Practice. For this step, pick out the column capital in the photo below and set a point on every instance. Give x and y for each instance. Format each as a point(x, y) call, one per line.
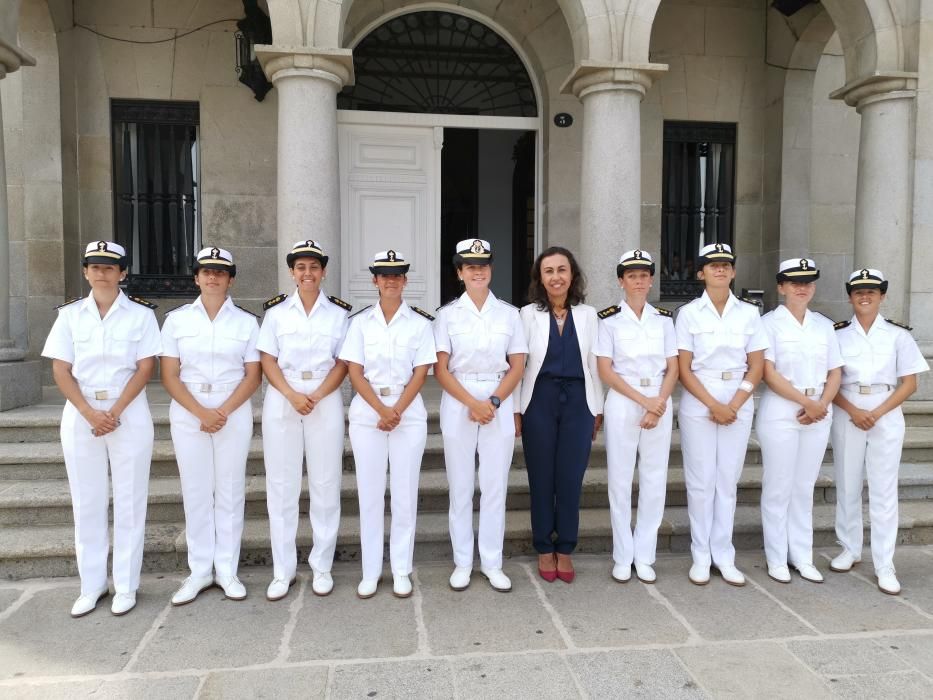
point(588, 77)
point(891, 85)
point(335, 65)
point(12, 57)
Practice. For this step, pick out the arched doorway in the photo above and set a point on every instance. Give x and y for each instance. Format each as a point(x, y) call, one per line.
point(437, 143)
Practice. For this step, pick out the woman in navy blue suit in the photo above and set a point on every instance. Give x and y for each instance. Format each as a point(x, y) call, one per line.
point(560, 407)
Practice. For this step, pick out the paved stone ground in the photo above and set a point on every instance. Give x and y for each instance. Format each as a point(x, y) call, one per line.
point(594, 638)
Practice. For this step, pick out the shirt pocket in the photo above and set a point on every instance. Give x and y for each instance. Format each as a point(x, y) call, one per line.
point(231, 344)
point(190, 346)
point(123, 344)
point(289, 337)
point(500, 334)
point(86, 341)
point(707, 339)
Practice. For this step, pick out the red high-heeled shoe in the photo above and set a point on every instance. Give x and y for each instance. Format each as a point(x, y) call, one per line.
point(549, 576)
point(565, 576)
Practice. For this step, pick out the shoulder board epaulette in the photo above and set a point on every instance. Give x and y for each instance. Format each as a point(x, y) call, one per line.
point(447, 304)
point(176, 308)
point(360, 311)
point(664, 312)
point(609, 311)
point(246, 310)
point(268, 304)
point(753, 302)
point(337, 301)
point(143, 302)
point(422, 312)
point(70, 301)
point(899, 324)
point(841, 324)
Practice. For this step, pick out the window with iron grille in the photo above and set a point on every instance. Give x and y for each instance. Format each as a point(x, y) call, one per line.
point(156, 207)
point(698, 200)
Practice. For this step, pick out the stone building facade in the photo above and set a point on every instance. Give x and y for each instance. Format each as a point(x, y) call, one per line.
point(826, 108)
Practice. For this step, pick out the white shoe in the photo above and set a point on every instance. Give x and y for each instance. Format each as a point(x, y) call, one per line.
point(460, 578)
point(497, 579)
point(779, 572)
point(192, 586)
point(887, 581)
point(645, 573)
point(731, 575)
point(322, 583)
point(232, 587)
point(401, 586)
point(844, 562)
point(622, 573)
point(123, 603)
point(808, 572)
point(86, 603)
point(699, 574)
point(278, 589)
point(367, 588)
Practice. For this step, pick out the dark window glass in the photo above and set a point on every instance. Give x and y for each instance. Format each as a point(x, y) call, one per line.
point(698, 200)
point(440, 63)
point(156, 194)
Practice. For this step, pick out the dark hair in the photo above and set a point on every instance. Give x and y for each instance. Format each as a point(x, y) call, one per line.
point(536, 292)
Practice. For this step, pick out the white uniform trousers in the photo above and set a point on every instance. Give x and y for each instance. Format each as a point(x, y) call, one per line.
point(713, 459)
point(791, 454)
point(874, 453)
point(128, 450)
point(212, 467)
point(626, 441)
point(401, 449)
point(495, 444)
point(287, 437)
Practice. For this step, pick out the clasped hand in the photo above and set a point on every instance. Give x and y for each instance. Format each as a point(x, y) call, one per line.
point(812, 412)
point(482, 412)
point(101, 422)
point(212, 419)
point(722, 414)
point(303, 403)
point(654, 408)
point(389, 418)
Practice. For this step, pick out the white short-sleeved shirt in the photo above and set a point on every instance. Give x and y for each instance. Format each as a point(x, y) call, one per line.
point(389, 352)
point(479, 340)
point(880, 356)
point(303, 342)
point(103, 352)
point(211, 352)
point(720, 343)
point(802, 353)
point(639, 347)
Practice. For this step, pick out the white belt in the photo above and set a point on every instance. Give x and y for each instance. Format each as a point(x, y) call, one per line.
point(480, 376)
point(306, 374)
point(101, 393)
point(811, 390)
point(724, 375)
point(868, 388)
point(205, 388)
point(643, 381)
point(394, 390)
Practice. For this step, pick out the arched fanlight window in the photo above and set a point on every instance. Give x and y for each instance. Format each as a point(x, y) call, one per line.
point(440, 63)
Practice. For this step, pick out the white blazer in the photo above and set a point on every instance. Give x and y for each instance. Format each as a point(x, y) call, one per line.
point(537, 331)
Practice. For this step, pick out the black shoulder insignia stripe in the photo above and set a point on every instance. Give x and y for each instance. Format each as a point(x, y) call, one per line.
point(664, 312)
point(422, 312)
point(70, 301)
point(176, 309)
point(609, 311)
point(753, 302)
point(273, 301)
point(361, 311)
point(841, 324)
point(341, 303)
point(899, 324)
point(447, 304)
point(246, 310)
point(143, 302)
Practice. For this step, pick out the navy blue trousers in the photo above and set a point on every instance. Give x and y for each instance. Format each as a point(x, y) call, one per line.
point(557, 431)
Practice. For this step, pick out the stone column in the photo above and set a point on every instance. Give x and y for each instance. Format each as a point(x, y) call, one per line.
point(610, 178)
point(308, 177)
point(883, 196)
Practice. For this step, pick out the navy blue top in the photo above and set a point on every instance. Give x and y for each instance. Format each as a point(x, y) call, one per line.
point(562, 360)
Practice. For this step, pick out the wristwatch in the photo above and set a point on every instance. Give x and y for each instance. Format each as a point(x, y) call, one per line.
point(495, 401)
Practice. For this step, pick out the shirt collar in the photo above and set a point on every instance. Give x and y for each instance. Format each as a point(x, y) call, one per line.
point(630, 313)
point(783, 311)
point(90, 305)
point(295, 301)
point(730, 302)
point(467, 303)
point(227, 305)
point(403, 311)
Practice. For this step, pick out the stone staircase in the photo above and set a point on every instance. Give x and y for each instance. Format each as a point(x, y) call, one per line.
point(37, 537)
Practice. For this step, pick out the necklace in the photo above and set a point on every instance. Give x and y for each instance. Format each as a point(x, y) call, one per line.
point(560, 318)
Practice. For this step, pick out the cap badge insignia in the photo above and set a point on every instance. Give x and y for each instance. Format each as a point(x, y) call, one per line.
point(637, 254)
point(477, 247)
point(804, 265)
point(215, 253)
point(102, 245)
point(864, 274)
point(391, 255)
point(719, 248)
point(310, 244)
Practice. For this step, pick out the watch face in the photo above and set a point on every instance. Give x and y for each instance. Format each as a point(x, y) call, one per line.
point(495, 401)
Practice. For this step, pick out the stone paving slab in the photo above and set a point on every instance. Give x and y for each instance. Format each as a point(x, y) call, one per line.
point(543, 676)
point(278, 684)
point(645, 674)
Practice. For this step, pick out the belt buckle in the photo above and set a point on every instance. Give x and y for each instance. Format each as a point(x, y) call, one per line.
point(205, 388)
point(726, 376)
point(644, 381)
point(307, 375)
point(809, 391)
point(100, 395)
point(864, 388)
point(385, 391)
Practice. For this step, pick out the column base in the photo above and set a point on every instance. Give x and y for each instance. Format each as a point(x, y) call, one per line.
point(20, 384)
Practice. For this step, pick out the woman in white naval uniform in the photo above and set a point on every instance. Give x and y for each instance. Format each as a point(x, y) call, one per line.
point(721, 343)
point(802, 374)
point(103, 349)
point(302, 417)
point(481, 353)
point(882, 361)
point(389, 350)
point(637, 359)
point(210, 368)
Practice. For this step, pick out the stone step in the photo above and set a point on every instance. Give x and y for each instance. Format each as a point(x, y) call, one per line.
point(48, 501)
point(48, 550)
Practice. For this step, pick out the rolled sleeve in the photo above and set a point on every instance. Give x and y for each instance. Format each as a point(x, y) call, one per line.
point(60, 345)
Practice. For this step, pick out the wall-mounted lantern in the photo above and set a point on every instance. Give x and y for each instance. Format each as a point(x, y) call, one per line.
point(254, 28)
